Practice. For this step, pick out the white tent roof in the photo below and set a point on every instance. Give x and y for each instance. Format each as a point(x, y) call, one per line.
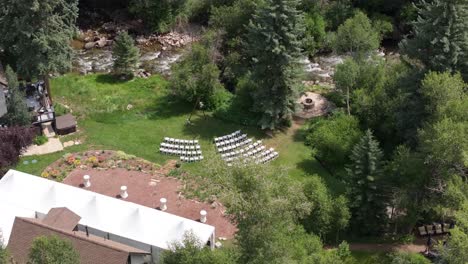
point(23, 195)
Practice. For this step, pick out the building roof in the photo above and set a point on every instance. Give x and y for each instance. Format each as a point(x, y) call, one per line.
point(26, 230)
point(65, 121)
point(61, 218)
point(24, 194)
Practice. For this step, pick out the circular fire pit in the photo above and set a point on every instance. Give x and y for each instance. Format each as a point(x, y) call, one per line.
point(308, 103)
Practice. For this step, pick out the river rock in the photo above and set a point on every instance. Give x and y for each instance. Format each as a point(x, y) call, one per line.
point(89, 45)
point(101, 43)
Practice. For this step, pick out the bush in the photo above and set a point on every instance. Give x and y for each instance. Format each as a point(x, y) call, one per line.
point(237, 109)
point(12, 141)
point(408, 258)
point(60, 109)
point(333, 138)
point(40, 140)
point(160, 15)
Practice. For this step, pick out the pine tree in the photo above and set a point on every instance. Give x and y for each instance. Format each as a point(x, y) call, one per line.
point(274, 49)
point(36, 35)
point(364, 186)
point(440, 40)
point(16, 104)
point(126, 55)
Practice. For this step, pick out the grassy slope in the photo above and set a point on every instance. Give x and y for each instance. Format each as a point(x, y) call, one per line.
point(105, 123)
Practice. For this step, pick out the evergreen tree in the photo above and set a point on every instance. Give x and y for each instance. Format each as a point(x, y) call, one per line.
point(17, 109)
point(440, 40)
point(36, 35)
point(274, 49)
point(364, 186)
point(52, 250)
point(126, 55)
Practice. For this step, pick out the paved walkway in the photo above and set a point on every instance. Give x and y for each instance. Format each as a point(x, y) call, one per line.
point(53, 145)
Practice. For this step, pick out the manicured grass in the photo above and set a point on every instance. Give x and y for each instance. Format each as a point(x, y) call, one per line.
point(100, 102)
point(43, 160)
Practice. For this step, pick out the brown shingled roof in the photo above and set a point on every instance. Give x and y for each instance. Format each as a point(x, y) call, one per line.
point(91, 249)
point(61, 218)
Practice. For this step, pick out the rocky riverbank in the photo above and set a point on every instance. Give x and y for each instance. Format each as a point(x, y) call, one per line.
point(158, 52)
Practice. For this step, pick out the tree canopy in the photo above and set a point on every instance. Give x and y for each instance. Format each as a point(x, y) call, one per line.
point(17, 114)
point(274, 46)
point(43, 29)
point(52, 250)
point(439, 41)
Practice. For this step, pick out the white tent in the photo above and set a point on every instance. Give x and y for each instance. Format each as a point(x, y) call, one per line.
point(25, 195)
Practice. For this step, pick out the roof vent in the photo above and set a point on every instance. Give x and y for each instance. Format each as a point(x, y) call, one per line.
point(203, 216)
point(86, 181)
point(123, 192)
point(163, 205)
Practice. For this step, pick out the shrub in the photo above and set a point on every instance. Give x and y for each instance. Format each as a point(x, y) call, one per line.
point(120, 155)
point(40, 140)
point(93, 161)
point(408, 258)
point(60, 109)
point(332, 138)
point(12, 141)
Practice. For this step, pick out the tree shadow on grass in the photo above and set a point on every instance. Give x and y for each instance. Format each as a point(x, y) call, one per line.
point(167, 106)
point(208, 127)
point(110, 79)
point(312, 166)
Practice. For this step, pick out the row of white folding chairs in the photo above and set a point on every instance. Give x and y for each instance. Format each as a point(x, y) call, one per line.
point(231, 141)
point(255, 151)
point(268, 158)
point(180, 147)
point(234, 134)
point(191, 159)
point(266, 155)
point(180, 152)
point(234, 146)
point(240, 151)
point(180, 141)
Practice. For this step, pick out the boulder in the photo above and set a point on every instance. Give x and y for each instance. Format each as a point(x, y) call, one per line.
point(89, 45)
point(101, 43)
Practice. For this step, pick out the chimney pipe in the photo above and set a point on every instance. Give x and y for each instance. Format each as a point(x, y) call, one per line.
point(86, 182)
point(123, 192)
point(163, 205)
point(203, 216)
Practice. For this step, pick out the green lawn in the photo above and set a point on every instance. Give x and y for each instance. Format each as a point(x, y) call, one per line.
point(100, 102)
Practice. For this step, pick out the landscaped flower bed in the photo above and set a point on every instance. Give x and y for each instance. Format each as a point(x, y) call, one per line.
point(97, 159)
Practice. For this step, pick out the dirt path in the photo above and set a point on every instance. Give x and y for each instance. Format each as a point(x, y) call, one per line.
point(413, 248)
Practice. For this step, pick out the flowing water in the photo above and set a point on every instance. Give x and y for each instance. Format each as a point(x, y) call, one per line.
point(101, 60)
